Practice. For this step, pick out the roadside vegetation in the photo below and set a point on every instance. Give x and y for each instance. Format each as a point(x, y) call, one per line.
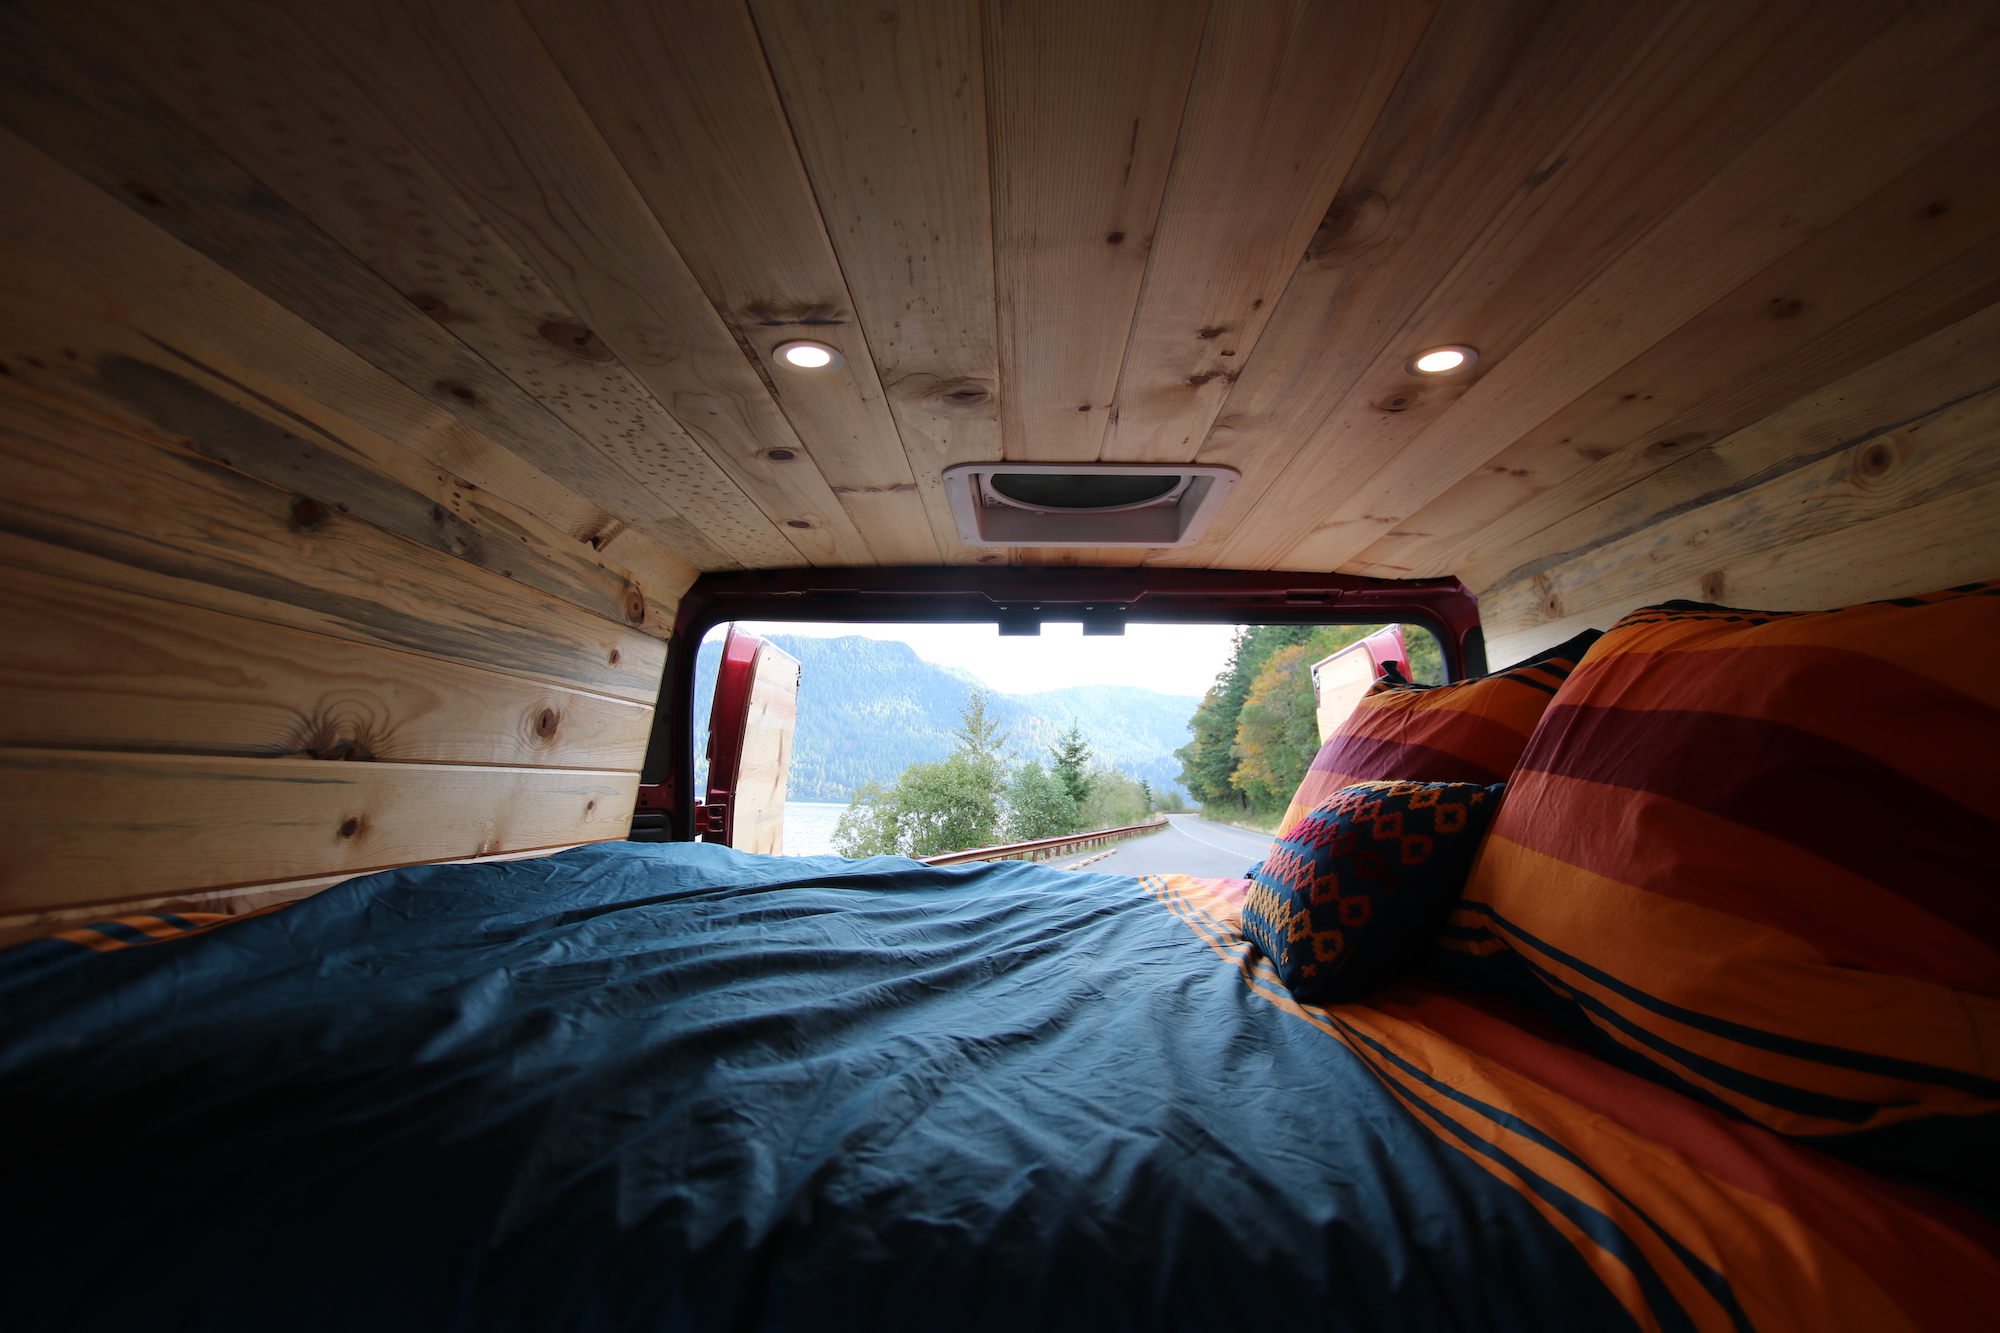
point(981, 794)
point(1257, 729)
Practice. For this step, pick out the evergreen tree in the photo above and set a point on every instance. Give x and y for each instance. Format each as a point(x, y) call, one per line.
point(1038, 806)
point(949, 806)
point(1208, 762)
point(1069, 762)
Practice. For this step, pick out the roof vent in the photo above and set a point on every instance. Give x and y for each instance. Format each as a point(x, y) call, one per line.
point(1085, 504)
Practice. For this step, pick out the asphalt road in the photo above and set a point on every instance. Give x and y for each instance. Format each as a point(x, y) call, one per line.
point(1190, 845)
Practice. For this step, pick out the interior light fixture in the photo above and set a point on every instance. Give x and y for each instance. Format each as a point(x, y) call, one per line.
point(800, 354)
point(1448, 360)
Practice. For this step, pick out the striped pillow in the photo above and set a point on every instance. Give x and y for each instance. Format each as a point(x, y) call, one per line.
point(1752, 855)
point(1469, 731)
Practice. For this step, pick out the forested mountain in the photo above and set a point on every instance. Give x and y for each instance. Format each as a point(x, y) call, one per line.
point(869, 708)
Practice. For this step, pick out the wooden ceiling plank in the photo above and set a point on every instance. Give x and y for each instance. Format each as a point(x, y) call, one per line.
point(1869, 285)
point(1919, 83)
point(250, 82)
point(105, 127)
point(681, 93)
point(174, 293)
point(470, 84)
point(1283, 99)
point(1084, 105)
point(1911, 384)
point(1480, 110)
point(886, 106)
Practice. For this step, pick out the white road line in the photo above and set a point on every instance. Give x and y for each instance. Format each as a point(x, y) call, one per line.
point(1221, 847)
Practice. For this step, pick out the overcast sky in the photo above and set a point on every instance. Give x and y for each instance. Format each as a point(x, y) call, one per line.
point(1173, 659)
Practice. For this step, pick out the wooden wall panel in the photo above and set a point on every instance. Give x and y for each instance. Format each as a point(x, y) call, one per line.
point(150, 296)
point(85, 667)
point(1846, 496)
point(84, 826)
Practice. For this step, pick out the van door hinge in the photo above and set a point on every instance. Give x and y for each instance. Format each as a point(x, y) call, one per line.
point(712, 816)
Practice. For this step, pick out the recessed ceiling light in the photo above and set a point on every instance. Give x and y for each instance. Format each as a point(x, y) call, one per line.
point(802, 355)
point(1443, 360)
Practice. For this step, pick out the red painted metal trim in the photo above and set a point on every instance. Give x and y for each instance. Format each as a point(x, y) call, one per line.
point(974, 593)
point(728, 718)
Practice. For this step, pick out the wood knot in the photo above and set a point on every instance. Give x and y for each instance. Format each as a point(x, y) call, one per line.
point(1401, 400)
point(546, 723)
point(573, 339)
point(1548, 601)
point(780, 455)
point(146, 195)
point(1214, 331)
point(961, 398)
point(1711, 586)
point(1781, 307)
point(1352, 224)
point(616, 657)
point(1874, 461)
point(465, 393)
point(1115, 238)
point(1936, 210)
point(436, 307)
point(798, 523)
point(308, 514)
point(350, 826)
point(635, 605)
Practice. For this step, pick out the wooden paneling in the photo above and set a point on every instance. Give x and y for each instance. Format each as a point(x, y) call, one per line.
point(1761, 521)
point(757, 804)
point(471, 85)
point(1919, 256)
point(83, 667)
point(888, 109)
point(1282, 101)
point(85, 826)
point(202, 533)
point(1826, 154)
point(191, 309)
point(1084, 104)
point(681, 93)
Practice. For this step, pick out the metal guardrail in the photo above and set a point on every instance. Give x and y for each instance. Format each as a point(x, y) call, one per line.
point(1043, 848)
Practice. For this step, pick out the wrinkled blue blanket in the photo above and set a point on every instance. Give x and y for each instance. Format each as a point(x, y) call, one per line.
point(679, 1087)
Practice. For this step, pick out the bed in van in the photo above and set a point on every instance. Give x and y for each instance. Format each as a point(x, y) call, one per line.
point(394, 393)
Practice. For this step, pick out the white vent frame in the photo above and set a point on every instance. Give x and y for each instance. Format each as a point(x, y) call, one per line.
point(1176, 519)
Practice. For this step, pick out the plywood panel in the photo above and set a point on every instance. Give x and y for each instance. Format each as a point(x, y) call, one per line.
point(1925, 80)
point(757, 805)
point(78, 483)
point(1283, 98)
point(83, 667)
point(1084, 105)
point(681, 93)
point(1525, 147)
point(888, 109)
point(472, 86)
point(1941, 463)
point(103, 126)
point(193, 307)
point(98, 827)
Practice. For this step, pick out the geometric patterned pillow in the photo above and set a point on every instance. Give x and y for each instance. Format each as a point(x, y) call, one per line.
point(1753, 855)
point(1469, 731)
point(1354, 895)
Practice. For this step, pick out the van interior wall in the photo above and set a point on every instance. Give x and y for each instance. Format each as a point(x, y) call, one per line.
point(257, 644)
point(1883, 483)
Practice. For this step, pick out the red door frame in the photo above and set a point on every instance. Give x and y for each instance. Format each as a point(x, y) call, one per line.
point(973, 594)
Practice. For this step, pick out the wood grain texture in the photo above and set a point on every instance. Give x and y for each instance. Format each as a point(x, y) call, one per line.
point(1525, 148)
point(251, 83)
point(1919, 256)
point(763, 773)
point(80, 482)
point(175, 297)
point(1778, 530)
point(86, 114)
point(57, 332)
point(84, 667)
point(888, 109)
point(1926, 79)
point(1084, 105)
point(1283, 99)
point(469, 82)
point(1902, 388)
point(84, 827)
point(682, 96)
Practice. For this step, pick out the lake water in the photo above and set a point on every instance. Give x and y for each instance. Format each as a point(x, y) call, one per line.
point(809, 827)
